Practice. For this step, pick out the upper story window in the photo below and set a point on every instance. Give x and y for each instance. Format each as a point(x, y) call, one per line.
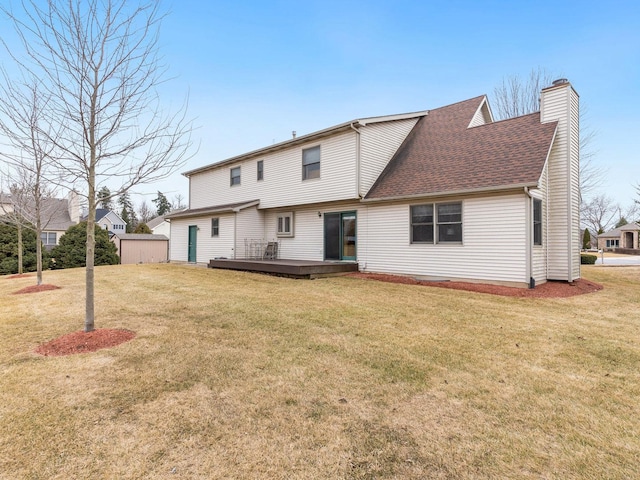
point(260, 170)
point(440, 222)
point(235, 176)
point(311, 163)
point(537, 221)
point(215, 227)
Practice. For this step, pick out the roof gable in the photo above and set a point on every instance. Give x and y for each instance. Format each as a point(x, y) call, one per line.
point(443, 155)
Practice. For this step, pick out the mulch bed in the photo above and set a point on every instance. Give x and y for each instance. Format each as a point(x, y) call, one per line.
point(18, 275)
point(37, 288)
point(83, 342)
point(550, 289)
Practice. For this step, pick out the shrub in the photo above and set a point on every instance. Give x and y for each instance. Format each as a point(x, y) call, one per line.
point(71, 250)
point(142, 228)
point(588, 259)
point(9, 250)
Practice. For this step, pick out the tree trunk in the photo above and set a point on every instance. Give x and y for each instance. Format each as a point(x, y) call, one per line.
point(20, 248)
point(89, 320)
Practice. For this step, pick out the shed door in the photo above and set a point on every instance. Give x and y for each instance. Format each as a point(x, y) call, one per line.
point(193, 240)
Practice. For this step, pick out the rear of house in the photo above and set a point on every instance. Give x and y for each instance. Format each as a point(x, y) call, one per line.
point(442, 194)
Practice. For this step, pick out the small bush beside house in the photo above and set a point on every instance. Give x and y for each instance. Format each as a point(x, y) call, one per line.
point(71, 250)
point(586, 259)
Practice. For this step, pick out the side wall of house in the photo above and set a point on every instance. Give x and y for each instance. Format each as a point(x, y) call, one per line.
point(282, 184)
point(207, 247)
point(539, 252)
point(493, 247)
point(561, 103)
point(378, 143)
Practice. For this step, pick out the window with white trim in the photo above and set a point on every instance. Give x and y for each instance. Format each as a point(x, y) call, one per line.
point(284, 225)
point(537, 221)
point(235, 176)
point(48, 238)
point(311, 163)
point(436, 222)
point(260, 170)
point(215, 227)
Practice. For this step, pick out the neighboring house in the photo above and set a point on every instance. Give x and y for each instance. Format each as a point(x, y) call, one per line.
point(58, 214)
point(159, 225)
point(141, 247)
point(440, 194)
point(624, 237)
point(110, 221)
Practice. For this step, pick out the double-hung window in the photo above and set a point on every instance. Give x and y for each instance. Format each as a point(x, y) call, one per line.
point(422, 223)
point(285, 224)
point(311, 163)
point(235, 176)
point(436, 222)
point(260, 170)
point(537, 221)
point(449, 222)
point(215, 227)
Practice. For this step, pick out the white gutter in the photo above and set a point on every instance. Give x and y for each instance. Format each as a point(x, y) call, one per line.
point(450, 193)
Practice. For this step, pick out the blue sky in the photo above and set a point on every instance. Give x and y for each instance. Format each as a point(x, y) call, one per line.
point(255, 70)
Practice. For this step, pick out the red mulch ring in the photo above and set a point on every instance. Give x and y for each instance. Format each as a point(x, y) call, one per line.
point(550, 289)
point(18, 275)
point(37, 288)
point(83, 342)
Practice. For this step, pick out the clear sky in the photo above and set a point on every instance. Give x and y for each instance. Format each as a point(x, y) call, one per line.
point(256, 70)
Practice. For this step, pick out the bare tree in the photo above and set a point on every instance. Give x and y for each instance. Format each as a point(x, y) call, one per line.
point(144, 212)
point(27, 151)
point(178, 202)
point(517, 96)
point(599, 213)
point(99, 64)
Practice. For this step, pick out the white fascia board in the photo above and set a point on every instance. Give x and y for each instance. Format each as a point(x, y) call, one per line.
point(305, 138)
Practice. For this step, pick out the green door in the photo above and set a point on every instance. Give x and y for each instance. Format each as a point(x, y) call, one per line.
point(193, 240)
point(340, 236)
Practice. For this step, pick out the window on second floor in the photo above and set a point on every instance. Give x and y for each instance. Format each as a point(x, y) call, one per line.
point(311, 163)
point(235, 176)
point(260, 170)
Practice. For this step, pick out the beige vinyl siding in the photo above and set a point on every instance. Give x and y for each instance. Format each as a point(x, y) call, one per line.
point(539, 253)
point(378, 143)
point(481, 117)
point(563, 182)
point(207, 247)
point(249, 225)
point(575, 185)
point(143, 251)
point(493, 249)
point(283, 185)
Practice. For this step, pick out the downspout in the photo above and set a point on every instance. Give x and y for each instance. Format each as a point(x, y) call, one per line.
point(235, 231)
point(529, 235)
point(357, 158)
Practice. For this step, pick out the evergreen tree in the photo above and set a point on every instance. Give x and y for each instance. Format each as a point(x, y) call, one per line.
point(128, 214)
point(142, 228)
point(71, 250)
point(9, 249)
point(163, 206)
point(621, 223)
point(586, 239)
point(104, 200)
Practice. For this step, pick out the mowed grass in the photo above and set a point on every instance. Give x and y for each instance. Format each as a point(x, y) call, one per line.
point(238, 375)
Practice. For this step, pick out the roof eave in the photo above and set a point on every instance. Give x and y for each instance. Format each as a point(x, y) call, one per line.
point(306, 138)
point(453, 193)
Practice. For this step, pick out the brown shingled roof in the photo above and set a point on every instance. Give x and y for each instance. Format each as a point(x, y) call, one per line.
point(442, 155)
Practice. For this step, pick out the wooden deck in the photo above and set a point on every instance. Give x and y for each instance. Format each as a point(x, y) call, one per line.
point(287, 268)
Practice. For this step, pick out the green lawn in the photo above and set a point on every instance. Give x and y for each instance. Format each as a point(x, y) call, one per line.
point(237, 375)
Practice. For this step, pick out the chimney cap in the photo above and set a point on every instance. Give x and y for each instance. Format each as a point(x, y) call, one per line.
point(559, 81)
